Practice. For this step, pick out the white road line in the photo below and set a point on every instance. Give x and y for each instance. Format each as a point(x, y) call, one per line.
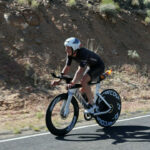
point(93, 125)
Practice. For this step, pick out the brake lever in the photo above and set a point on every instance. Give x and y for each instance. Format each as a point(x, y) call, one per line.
point(55, 76)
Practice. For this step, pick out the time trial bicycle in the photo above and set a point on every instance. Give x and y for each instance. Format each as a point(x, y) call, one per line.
point(63, 111)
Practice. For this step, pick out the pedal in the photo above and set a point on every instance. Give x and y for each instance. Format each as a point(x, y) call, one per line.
point(87, 117)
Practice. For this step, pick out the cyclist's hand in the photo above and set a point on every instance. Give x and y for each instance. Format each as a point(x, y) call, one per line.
point(69, 85)
point(54, 83)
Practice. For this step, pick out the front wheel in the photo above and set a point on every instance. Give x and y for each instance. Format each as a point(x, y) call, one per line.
point(58, 124)
point(114, 100)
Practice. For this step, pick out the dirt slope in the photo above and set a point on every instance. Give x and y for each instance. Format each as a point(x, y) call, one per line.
point(31, 46)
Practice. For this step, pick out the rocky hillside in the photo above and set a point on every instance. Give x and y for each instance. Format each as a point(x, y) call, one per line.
point(31, 45)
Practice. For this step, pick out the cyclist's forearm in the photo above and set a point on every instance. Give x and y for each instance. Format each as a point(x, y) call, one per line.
point(65, 70)
point(78, 75)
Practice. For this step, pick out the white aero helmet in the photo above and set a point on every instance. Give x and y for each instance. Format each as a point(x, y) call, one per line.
point(72, 42)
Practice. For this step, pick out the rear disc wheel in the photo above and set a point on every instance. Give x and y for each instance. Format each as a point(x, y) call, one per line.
point(114, 100)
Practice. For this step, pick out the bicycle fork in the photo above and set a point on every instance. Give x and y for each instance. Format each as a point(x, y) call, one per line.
point(66, 104)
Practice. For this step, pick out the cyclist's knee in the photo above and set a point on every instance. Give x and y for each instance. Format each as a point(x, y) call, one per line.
point(83, 83)
point(85, 80)
point(82, 90)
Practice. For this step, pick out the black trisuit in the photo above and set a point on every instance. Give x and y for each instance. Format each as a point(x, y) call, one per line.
point(88, 58)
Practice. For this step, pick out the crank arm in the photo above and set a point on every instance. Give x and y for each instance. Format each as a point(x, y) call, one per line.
point(102, 113)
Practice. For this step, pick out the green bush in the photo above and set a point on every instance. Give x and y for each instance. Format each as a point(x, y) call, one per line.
point(135, 3)
point(148, 12)
point(39, 115)
point(147, 20)
point(22, 2)
point(147, 3)
point(108, 6)
point(107, 2)
point(32, 3)
point(71, 3)
point(133, 54)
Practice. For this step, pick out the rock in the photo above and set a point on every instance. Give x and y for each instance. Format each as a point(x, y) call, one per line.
point(38, 41)
point(11, 97)
point(31, 17)
point(18, 104)
point(16, 20)
point(3, 6)
point(6, 17)
point(1, 102)
point(1, 18)
point(2, 37)
point(114, 52)
point(10, 102)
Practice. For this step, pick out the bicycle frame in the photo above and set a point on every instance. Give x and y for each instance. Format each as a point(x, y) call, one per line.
point(75, 92)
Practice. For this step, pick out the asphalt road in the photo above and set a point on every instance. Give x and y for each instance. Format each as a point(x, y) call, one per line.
point(126, 134)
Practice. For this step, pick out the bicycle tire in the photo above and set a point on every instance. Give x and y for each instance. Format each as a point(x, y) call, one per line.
point(49, 123)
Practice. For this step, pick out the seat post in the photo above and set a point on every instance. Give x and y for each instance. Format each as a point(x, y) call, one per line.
point(96, 91)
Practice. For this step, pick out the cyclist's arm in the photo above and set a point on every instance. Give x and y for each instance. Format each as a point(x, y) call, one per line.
point(65, 70)
point(67, 66)
point(78, 74)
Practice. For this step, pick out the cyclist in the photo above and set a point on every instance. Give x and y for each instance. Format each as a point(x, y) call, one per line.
point(90, 67)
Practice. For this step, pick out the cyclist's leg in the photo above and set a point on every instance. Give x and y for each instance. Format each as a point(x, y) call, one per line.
point(86, 88)
point(91, 74)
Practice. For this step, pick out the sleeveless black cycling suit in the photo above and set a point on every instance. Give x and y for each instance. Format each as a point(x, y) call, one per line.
point(88, 58)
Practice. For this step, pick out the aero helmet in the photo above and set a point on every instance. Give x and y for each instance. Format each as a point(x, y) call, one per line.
point(72, 42)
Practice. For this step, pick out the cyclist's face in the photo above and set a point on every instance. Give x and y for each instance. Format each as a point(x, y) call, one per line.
point(68, 50)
